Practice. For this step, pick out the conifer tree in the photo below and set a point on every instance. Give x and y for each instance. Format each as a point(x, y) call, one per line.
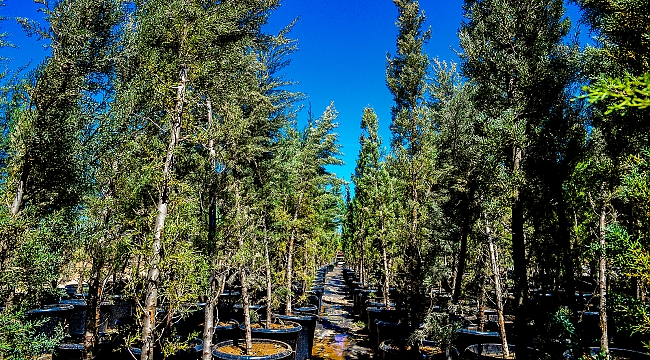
point(511, 52)
point(373, 198)
point(183, 44)
point(411, 128)
point(307, 188)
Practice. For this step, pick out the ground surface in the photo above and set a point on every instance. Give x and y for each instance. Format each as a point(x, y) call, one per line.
point(338, 336)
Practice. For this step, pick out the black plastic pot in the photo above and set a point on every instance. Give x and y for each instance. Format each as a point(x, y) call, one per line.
point(388, 330)
point(495, 351)
point(52, 314)
point(305, 342)
point(68, 352)
point(227, 332)
point(289, 335)
point(382, 314)
point(77, 317)
point(227, 300)
point(467, 337)
point(122, 309)
point(356, 308)
point(307, 310)
point(314, 299)
point(193, 322)
point(616, 353)
point(390, 350)
point(194, 352)
point(284, 351)
point(317, 293)
point(238, 311)
point(486, 351)
point(134, 352)
point(73, 348)
point(363, 297)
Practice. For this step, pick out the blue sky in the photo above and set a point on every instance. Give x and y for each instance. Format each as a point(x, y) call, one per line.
point(341, 58)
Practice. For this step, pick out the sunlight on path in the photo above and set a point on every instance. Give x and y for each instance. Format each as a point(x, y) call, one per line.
point(337, 336)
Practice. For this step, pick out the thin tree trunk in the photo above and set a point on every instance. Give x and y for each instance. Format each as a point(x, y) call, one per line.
point(269, 285)
point(217, 285)
point(215, 290)
point(91, 338)
point(519, 260)
point(246, 308)
point(208, 320)
point(362, 258)
point(602, 277)
point(461, 258)
point(242, 275)
point(497, 289)
point(292, 239)
point(289, 284)
point(481, 305)
point(564, 233)
point(384, 257)
point(153, 276)
point(17, 203)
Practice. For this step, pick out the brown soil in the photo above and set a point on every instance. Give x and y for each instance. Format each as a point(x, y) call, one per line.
point(272, 327)
point(500, 355)
point(259, 349)
point(425, 350)
point(430, 350)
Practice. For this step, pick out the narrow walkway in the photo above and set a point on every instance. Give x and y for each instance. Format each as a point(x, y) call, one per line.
point(338, 336)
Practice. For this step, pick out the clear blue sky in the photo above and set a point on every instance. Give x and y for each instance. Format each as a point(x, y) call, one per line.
point(341, 58)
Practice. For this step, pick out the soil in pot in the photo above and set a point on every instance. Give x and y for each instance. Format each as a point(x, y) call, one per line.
point(284, 331)
point(305, 342)
point(262, 349)
point(226, 330)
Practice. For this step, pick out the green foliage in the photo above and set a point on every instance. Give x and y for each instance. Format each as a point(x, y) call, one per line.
point(437, 327)
point(623, 27)
point(630, 315)
point(20, 337)
point(628, 253)
point(620, 93)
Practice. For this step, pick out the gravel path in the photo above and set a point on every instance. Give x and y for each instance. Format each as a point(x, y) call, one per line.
point(337, 335)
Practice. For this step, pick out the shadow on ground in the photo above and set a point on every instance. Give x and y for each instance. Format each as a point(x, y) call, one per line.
point(338, 336)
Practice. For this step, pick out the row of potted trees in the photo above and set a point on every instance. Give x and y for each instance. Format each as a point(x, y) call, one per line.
point(273, 333)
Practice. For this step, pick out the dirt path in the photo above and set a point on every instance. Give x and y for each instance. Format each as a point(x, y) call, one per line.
point(338, 336)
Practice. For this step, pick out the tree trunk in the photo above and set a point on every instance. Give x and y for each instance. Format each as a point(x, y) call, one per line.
point(362, 257)
point(564, 233)
point(217, 285)
point(17, 203)
point(289, 283)
point(519, 260)
point(461, 258)
point(212, 210)
point(292, 239)
point(269, 285)
point(386, 286)
point(215, 290)
point(481, 305)
point(246, 308)
point(602, 276)
point(497, 289)
point(91, 338)
point(153, 276)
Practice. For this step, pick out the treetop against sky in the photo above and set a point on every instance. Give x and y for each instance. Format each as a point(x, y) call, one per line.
point(342, 54)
